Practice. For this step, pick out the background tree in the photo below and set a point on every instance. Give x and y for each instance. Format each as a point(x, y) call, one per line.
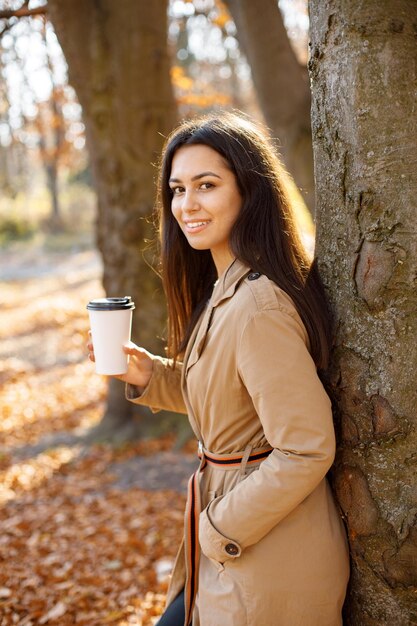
point(39, 119)
point(50, 125)
point(13, 163)
point(118, 64)
point(363, 74)
point(281, 85)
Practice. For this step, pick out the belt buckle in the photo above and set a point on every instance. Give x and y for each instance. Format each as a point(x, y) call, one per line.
point(200, 449)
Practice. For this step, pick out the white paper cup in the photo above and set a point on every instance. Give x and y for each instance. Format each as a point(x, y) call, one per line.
point(111, 325)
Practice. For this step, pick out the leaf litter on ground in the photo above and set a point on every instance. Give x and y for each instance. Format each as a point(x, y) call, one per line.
point(74, 547)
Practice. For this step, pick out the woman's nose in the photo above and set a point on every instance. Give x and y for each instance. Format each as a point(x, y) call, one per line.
point(190, 202)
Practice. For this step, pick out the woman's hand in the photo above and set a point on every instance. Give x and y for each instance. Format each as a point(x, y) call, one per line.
point(140, 367)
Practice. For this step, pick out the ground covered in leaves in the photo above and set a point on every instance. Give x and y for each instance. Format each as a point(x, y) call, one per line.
point(87, 533)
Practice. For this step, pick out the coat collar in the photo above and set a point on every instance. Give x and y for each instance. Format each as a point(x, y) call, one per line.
point(228, 282)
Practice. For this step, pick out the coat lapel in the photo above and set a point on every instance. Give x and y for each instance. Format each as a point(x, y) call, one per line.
point(186, 364)
point(199, 339)
point(224, 288)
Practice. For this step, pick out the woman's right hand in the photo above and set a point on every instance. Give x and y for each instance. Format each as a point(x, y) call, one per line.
point(140, 367)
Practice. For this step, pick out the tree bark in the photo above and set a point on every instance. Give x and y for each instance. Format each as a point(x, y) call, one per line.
point(281, 85)
point(363, 71)
point(118, 64)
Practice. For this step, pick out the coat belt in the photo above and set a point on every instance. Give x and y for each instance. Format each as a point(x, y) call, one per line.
point(251, 456)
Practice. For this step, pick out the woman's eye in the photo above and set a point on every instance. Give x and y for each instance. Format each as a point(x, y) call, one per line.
point(176, 190)
point(207, 185)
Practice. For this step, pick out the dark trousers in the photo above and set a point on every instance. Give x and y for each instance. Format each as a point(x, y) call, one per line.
point(175, 613)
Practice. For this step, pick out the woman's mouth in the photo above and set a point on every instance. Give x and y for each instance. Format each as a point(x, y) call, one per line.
point(196, 227)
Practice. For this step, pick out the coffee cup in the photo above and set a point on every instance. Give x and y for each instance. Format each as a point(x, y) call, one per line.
point(111, 325)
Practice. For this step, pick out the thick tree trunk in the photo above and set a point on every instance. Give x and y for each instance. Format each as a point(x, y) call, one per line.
point(281, 85)
point(363, 70)
point(118, 64)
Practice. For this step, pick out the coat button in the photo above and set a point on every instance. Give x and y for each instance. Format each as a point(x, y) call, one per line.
point(254, 276)
point(232, 549)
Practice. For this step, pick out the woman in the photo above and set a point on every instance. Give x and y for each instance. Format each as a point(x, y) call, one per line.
point(263, 542)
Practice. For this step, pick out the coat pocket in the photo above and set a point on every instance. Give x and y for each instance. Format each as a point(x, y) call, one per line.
point(212, 495)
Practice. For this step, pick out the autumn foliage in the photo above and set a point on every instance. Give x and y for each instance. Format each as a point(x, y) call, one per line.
point(77, 546)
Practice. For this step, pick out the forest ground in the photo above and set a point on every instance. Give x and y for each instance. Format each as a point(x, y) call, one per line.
point(88, 532)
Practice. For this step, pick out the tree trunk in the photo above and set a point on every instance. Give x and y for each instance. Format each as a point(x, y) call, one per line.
point(52, 155)
point(52, 182)
point(118, 64)
point(281, 85)
point(363, 71)
point(50, 162)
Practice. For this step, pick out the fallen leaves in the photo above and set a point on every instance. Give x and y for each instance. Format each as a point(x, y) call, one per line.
point(47, 383)
point(74, 547)
point(86, 552)
point(49, 401)
point(32, 473)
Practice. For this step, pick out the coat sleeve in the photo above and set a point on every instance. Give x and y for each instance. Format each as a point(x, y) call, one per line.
point(281, 378)
point(163, 391)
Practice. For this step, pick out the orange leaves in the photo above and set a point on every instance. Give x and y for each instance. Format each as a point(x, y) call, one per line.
point(179, 78)
point(75, 548)
point(46, 382)
point(198, 95)
point(222, 15)
point(86, 553)
point(205, 101)
point(30, 474)
point(27, 414)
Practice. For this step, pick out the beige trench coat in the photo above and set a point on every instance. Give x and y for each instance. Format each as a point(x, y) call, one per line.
point(248, 378)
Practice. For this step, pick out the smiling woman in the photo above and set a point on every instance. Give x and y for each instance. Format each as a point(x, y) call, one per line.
point(248, 328)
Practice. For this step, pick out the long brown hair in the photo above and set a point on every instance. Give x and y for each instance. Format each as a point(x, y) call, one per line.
point(264, 236)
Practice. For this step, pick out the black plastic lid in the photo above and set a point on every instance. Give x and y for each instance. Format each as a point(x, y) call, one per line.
point(111, 304)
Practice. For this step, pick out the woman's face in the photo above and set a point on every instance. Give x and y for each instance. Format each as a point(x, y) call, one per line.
point(206, 200)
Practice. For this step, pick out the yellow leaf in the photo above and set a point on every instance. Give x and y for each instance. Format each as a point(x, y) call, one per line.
point(113, 615)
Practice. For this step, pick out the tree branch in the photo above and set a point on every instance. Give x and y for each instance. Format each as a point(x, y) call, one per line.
point(24, 11)
point(5, 28)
